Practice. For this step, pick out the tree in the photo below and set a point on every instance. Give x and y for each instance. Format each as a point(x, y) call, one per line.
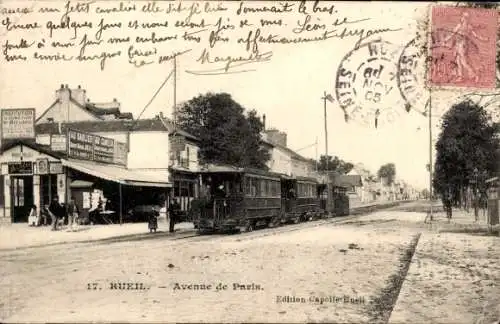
point(388, 172)
point(227, 135)
point(334, 164)
point(467, 142)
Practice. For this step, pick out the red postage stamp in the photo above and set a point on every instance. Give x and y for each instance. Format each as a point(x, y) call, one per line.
point(463, 47)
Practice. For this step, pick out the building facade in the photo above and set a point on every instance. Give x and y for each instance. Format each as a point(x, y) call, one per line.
point(78, 142)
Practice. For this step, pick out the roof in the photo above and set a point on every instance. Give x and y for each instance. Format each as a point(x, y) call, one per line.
point(105, 126)
point(219, 168)
point(292, 153)
point(344, 180)
point(120, 174)
point(31, 144)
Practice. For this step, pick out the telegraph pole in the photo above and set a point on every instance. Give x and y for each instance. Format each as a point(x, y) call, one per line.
point(326, 131)
point(430, 154)
point(175, 94)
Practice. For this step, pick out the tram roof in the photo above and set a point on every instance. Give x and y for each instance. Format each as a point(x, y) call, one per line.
point(215, 168)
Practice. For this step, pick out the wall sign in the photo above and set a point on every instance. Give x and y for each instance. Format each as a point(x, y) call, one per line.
point(55, 168)
point(20, 167)
point(42, 166)
point(18, 123)
point(58, 143)
point(91, 147)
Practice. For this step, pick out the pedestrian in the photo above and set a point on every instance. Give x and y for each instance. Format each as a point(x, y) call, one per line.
point(448, 205)
point(32, 218)
point(55, 212)
point(153, 221)
point(173, 213)
point(73, 212)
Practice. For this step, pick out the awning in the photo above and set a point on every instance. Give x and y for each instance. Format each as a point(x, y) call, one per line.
point(124, 176)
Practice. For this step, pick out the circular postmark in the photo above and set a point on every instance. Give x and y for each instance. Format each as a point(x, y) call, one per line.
point(411, 75)
point(366, 83)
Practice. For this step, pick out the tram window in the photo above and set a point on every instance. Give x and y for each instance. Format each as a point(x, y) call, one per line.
point(262, 188)
point(248, 187)
point(268, 188)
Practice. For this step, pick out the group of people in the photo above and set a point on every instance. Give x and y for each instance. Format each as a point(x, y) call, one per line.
point(57, 214)
point(174, 210)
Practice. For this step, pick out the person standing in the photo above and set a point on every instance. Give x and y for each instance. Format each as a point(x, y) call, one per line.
point(32, 218)
point(173, 212)
point(73, 212)
point(55, 213)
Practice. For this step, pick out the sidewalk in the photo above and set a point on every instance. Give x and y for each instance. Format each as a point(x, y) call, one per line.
point(22, 236)
point(454, 274)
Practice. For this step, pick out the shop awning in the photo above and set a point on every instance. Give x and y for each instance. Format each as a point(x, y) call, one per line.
point(129, 177)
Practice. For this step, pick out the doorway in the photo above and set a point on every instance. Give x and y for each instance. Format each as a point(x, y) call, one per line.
point(21, 198)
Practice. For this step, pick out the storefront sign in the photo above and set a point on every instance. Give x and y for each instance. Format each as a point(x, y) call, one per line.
point(104, 149)
point(96, 148)
point(86, 200)
point(42, 166)
point(80, 145)
point(20, 167)
point(120, 156)
point(58, 143)
point(18, 123)
point(55, 168)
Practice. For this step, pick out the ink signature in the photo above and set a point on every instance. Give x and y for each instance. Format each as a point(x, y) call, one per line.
point(230, 62)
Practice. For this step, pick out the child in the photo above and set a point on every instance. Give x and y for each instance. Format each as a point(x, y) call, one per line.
point(33, 218)
point(153, 222)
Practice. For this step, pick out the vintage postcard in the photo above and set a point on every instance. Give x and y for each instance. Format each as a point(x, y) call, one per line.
point(249, 162)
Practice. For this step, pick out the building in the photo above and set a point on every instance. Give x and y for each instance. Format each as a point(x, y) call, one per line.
point(283, 159)
point(97, 153)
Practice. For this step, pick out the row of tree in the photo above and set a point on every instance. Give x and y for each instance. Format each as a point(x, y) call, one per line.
point(468, 152)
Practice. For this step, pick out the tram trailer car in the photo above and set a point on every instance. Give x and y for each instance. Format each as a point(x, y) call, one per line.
point(301, 200)
point(236, 199)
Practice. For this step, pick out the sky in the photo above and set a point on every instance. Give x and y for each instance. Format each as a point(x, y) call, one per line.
point(288, 88)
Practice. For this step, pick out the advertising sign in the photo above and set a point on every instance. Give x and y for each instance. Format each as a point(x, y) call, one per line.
point(42, 166)
point(80, 145)
point(20, 167)
point(120, 156)
point(58, 143)
point(91, 147)
point(18, 123)
point(104, 149)
point(55, 168)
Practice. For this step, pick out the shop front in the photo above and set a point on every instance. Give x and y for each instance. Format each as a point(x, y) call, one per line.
point(31, 175)
point(113, 194)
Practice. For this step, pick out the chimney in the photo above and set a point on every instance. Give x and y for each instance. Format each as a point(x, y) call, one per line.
point(79, 86)
point(67, 87)
point(161, 115)
point(114, 99)
point(62, 86)
point(264, 121)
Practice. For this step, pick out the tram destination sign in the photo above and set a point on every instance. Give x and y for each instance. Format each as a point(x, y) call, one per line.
point(18, 123)
point(92, 147)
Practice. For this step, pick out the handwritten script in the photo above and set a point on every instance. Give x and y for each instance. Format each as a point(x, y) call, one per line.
point(214, 37)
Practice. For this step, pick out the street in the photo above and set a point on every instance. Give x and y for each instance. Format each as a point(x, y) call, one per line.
point(349, 269)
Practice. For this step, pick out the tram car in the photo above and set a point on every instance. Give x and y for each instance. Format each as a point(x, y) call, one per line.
point(236, 198)
point(301, 200)
point(245, 199)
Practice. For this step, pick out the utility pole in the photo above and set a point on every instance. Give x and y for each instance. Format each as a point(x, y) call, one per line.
point(175, 94)
point(430, 154)
point(326, 134)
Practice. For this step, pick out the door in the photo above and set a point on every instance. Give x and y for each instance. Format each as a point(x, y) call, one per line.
point(21, 198)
